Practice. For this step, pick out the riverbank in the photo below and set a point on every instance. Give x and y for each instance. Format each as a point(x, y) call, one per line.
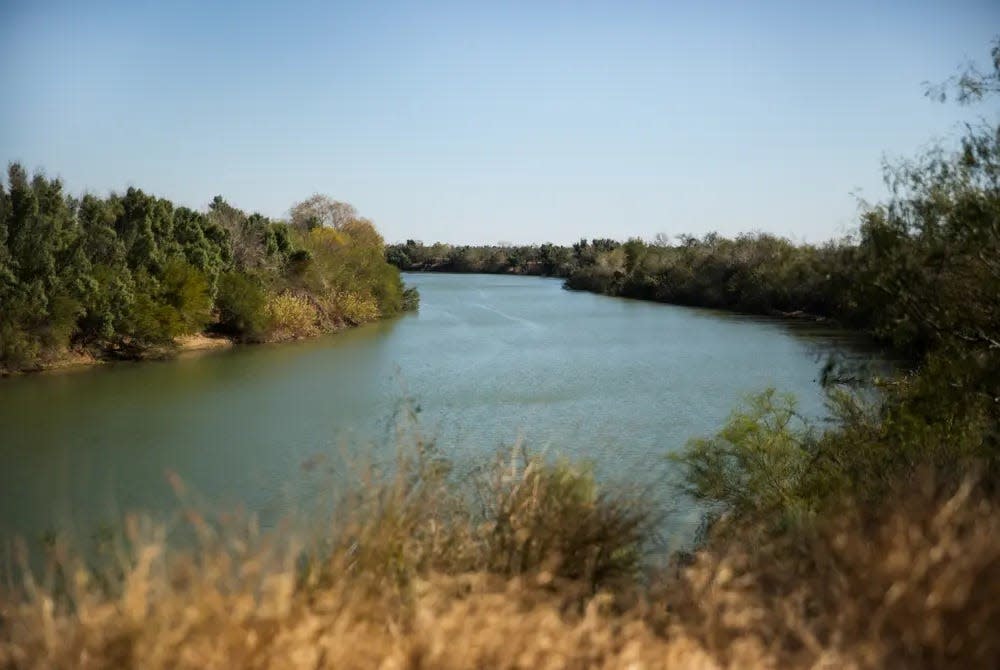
point(75, 359)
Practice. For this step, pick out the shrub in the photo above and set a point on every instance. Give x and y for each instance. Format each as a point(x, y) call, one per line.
point(290, 316)
point(354, 308)
point(518, 515)
point(754, 466)
point(911, 584)
point(411, 299)
point(553, 516)
point(242, 305)
point(18, 349)
point(150, 321)
point(186, 290)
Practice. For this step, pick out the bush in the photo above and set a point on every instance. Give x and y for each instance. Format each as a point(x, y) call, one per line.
point(912, 582)
point(553, 516)
point(18, 349)
point(754, 466)
point(411, 299)
point(518, 515)
point(186, 290)
point(290, 317)
point(354, 308)
point(242, 306)
point(150, 321)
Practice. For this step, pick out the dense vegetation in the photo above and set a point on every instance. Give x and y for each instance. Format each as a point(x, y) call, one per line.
point(127, 274)
point(925, 276)
point(870, 542)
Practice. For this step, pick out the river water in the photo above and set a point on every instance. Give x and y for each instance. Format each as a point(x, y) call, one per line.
point(488, 360)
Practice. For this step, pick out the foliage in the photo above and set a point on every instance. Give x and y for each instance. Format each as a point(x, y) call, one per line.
point(349, 261)
point(546, 260)
point(320, 210)
point(290, 317)
point(926, 278)
point(242, 305)
point(127, 274)
point(907, 583)
point(355, 308)
point(755, 465)
point(411, 299)
point(553, 515)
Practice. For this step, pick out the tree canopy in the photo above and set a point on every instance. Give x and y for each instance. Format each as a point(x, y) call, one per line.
point(126, 274)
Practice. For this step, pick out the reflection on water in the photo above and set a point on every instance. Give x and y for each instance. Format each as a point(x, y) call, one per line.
point(489, 359)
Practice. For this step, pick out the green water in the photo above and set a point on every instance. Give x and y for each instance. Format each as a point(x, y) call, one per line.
point(488, 359)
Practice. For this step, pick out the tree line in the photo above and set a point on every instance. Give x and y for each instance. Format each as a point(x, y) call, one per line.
point(124, 275)
point(868, 281)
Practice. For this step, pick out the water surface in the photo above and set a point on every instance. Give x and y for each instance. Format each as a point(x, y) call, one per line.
point(488, 360)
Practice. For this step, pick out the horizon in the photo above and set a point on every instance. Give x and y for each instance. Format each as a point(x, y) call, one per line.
point(473, 125)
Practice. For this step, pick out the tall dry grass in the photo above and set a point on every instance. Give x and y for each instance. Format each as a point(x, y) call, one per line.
point(531, 566)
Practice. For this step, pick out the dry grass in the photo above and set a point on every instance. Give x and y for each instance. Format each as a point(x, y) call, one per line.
point(538, 569)
point(913, 585)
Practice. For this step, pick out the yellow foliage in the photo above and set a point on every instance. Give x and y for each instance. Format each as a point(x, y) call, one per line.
point(290, 316)
point(363, 233)
point(328, 238)
point(355, 308)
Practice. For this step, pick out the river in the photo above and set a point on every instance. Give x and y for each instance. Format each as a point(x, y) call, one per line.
point(488, 360)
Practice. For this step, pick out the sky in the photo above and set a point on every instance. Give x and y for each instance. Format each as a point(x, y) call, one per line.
point(485, 122)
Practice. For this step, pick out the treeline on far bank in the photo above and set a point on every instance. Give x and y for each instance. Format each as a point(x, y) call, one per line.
point(125, 275)
point(867, 281)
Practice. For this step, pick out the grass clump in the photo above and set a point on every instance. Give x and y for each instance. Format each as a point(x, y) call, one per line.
point(519, 515)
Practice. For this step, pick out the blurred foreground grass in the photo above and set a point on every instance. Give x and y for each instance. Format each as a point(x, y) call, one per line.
point(529, 564)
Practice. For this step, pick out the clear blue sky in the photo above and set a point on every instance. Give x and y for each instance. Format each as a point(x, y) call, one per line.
point(484, 122)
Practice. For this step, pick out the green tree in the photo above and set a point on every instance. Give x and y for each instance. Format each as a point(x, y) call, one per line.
point(241, 302)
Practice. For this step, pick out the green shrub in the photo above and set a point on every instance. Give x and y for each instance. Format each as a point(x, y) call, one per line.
point(754, 466)
point(186, 290)
point(18, 350)
point(242, 306)
point(411, 299)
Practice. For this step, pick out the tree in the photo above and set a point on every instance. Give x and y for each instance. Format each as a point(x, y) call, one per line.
point(321, 210)
point(245, 248)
